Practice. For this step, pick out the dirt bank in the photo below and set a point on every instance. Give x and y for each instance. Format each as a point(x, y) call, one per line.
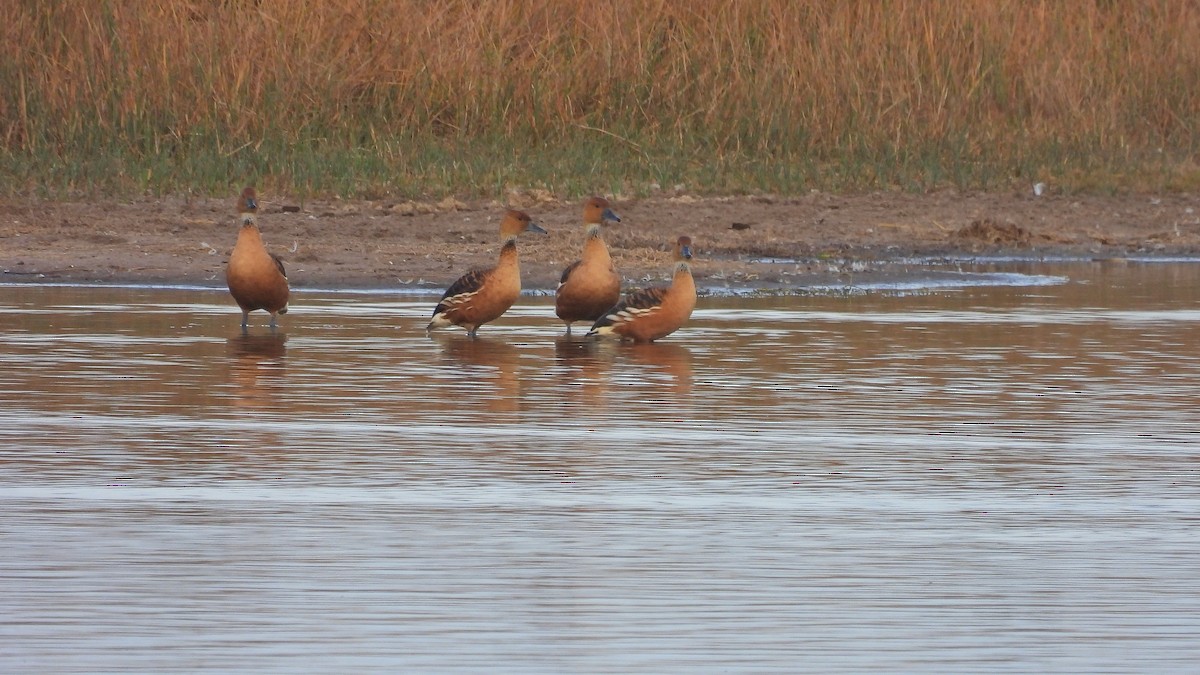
point(357, 244)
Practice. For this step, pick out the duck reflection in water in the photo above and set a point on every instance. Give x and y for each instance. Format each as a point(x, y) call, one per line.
point(256, 368)
point(490, 369)
point(643, 364)
point(589, 368)
point(583, 370)
point(656, 360)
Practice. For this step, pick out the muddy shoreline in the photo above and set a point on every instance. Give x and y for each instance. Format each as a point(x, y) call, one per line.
point(333, 244)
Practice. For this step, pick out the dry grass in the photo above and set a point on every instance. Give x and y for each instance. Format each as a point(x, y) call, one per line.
point(445, 96)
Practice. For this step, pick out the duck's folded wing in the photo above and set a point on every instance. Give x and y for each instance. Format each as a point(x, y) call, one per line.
point(567, 272)
point(461, 290)
point(633, 305)
point(279, 265)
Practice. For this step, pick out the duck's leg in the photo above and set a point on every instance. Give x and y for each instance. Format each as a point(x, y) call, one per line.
point(245, 319)
point(568, 328)
point(272, 321)
point(471, 331)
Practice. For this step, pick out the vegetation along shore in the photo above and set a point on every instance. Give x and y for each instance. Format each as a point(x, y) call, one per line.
point(384, 138)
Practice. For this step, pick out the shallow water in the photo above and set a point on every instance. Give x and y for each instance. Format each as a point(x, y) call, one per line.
point(917, 476)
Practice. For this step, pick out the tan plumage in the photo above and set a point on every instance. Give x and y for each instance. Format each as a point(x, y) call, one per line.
point(482, 296)
point(652, 313)
point(256, 278)
point(590, 285)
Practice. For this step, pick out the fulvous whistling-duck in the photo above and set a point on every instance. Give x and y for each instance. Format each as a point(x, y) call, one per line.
point(255, 277)
point(590, 285)
point(480, 296)
point(651, 313)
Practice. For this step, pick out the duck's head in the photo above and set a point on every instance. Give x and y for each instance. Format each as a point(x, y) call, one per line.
point(683, 248)
point(247, 205)
point(596, 211)
point(516, 222)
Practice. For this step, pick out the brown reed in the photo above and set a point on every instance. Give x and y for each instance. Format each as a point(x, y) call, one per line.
point(361, 96)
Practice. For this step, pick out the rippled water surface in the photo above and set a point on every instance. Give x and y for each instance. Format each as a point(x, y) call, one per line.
point(923, 476)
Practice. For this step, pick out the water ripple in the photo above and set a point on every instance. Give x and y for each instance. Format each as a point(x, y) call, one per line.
point(992, 478)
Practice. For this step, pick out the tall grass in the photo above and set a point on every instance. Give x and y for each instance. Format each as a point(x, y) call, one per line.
point(373, 97)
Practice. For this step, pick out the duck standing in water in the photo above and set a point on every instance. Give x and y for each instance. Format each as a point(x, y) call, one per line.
point(483, 295)
point(652, 313)
point(590, 285)
point(255, 277)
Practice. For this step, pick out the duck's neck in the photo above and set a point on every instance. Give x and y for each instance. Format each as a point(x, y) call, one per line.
point(682, 284)
point(249, 231)
point(508, 252)
point(593, 247)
